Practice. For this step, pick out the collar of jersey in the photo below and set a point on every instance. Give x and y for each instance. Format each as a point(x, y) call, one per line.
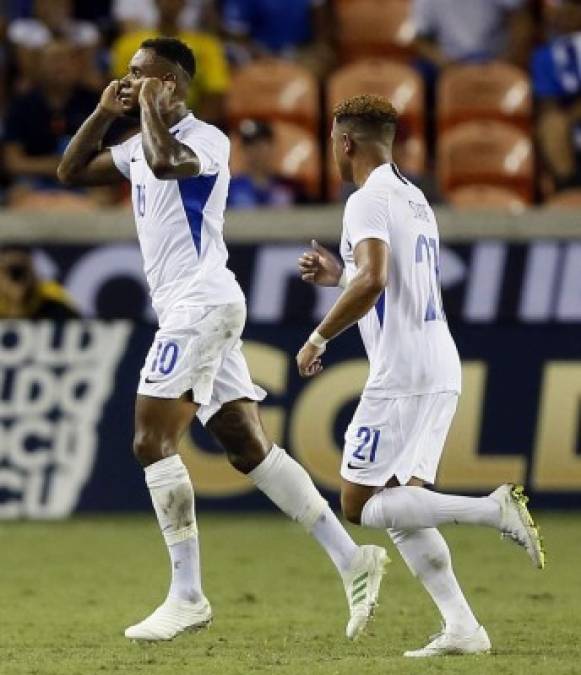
point(183, 119)
point(378, 169)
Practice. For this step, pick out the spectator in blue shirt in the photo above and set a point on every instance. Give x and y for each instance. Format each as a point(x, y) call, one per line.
point(259, 185)
point(556, 78)
point(298, 29)
point(451, 31)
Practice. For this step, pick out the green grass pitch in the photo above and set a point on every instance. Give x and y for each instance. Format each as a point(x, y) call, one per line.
point(67, 590)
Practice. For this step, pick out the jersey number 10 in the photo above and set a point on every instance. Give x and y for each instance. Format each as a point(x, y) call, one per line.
point(427, 251)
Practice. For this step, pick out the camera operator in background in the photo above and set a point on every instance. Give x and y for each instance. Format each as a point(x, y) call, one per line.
point(23, 295)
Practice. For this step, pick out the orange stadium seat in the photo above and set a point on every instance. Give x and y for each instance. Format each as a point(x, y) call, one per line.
point(297, 156)
point(273, 89)
point(486, 197)
point(404, 88)
point(490, 153)
point(568, 199)
point(400, 83)
point(494, 91)
point(374, 28)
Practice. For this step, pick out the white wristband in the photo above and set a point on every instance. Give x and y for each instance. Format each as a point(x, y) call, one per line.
point(343, 281)
point(317, 340)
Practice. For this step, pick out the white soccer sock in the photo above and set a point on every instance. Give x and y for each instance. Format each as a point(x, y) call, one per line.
point(409, 508)
point(285, 482)
point(333, 537)
point(427, 555)
point(172, 495)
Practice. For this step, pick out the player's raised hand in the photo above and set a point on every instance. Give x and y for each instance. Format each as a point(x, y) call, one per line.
point(309, 360)
point(320, 266)
point(157, 92)
point(110, 100)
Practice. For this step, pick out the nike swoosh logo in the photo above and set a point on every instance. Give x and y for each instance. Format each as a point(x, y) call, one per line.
point(349, 465)
point(136, 159)
point(148, 381)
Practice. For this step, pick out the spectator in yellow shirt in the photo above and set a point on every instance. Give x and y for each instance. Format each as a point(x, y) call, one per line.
point(212, 78)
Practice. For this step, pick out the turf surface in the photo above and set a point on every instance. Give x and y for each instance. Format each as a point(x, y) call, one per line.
point(68, 589)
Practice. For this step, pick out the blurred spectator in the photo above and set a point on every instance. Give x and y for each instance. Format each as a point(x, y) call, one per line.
point(96, 11)
point(212, 76)
point(40, 122)
point(556, 75)
point(259, 185)
point(132, 15)
point(53, 19)
point(23, 295)
point(301, 29)
point(16, 9)
point(3, 57)
point(450, 31)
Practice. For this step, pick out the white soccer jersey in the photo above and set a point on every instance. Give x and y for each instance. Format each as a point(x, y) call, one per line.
point(406, 336)
point(180, 222)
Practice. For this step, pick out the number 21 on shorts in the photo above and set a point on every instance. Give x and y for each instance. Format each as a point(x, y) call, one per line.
point(368, 442)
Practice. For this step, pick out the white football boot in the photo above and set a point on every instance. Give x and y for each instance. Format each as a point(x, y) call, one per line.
point(170, 619)
point(516, 522)
point(445, 643)
point(362, 582)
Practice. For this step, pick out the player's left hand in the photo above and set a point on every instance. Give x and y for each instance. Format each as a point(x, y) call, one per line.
point(157, 92)
point(309, 360)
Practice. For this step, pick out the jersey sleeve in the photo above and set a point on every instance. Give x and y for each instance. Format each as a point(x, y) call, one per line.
point(121, 155)
point(212, 150)
point(366, 217)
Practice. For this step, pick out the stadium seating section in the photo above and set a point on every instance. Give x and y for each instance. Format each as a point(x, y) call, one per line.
point(568, 199)
point(486, 197)
point(374, 28)
point(297, 156)
point(483, 121)
point(273, 89)
point(487, 153)
point(470, 128)
point(492, 91)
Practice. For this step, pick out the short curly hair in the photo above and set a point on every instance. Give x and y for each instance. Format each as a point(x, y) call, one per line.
point(367, 110)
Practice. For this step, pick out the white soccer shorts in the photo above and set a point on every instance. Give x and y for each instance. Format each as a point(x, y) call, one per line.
point(199, 349)
point(401, 437)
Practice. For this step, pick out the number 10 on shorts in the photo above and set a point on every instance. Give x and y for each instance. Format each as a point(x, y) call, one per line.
point(368, 442)
point(165, 357)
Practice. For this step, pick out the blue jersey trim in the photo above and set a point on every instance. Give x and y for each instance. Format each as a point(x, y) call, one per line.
point(380, 308)
point(195, 193)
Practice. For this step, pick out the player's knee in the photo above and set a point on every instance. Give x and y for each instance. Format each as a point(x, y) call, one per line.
point(244, 461)
point(351, 510)
point(149, 447)
point(238, 430)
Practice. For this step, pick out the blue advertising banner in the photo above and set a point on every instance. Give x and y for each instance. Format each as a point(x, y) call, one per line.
point(66, 409)
point(484, 282)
